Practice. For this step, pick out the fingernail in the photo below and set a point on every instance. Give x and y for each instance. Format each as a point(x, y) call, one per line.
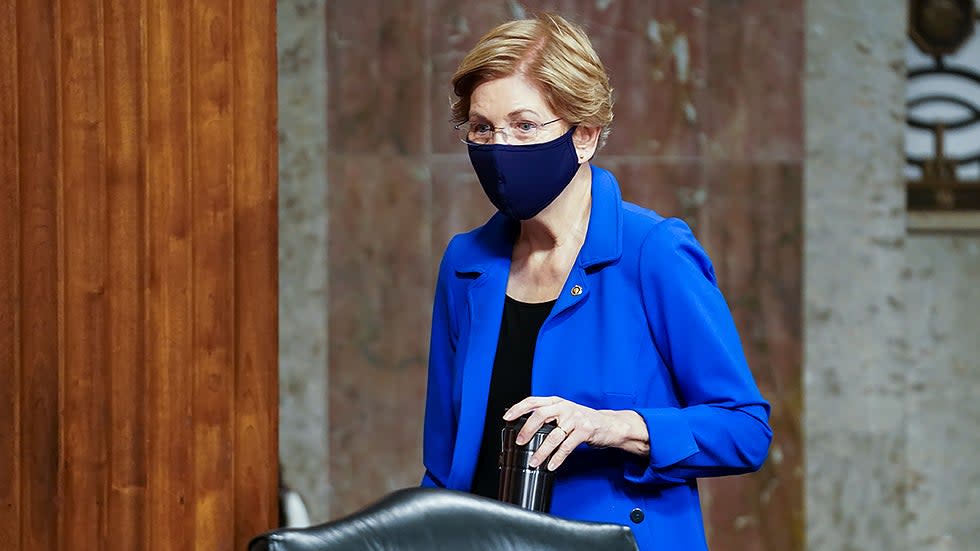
point(533, 463)
point(552, 466)
point(519, 441)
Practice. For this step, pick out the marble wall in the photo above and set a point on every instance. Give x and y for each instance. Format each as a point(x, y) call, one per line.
point(943, 413)
point(856, 335)
point(303, 214)
point(708, 127)
point(891, 316)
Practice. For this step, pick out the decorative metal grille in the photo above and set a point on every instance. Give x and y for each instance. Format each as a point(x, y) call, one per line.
point(943, 131)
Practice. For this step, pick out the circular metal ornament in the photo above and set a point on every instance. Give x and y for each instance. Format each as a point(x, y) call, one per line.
point(940, 27)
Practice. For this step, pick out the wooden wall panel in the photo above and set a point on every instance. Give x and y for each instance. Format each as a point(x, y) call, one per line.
point(138, 274)
point(123, 50)
point(83, 235)
point(9, 283)
point(214, 271)
point(255, 290)
point(40, 331)
point(169, 321)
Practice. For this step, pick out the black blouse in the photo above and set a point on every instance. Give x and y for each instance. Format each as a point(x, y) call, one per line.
point(509, 384)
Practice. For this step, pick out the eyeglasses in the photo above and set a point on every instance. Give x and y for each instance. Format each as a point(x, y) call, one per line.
point(516, 133)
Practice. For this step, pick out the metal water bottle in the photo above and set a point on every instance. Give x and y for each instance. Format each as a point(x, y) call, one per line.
point(521, 484)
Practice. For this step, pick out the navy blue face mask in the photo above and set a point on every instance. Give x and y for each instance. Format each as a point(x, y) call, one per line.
point(521, 180)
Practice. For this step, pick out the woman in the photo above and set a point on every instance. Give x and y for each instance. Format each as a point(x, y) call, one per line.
point(616, 309)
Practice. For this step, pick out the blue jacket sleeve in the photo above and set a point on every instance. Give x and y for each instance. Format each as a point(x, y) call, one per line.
point(439, 428)
point(722, 424)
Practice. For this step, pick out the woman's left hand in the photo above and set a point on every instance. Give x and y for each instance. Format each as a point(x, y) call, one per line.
point(577, 424)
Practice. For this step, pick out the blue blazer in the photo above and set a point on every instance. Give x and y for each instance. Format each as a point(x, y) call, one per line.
point(649, 331)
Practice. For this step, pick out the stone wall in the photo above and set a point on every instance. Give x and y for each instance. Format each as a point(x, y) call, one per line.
point(709, 127)
point(943, 430)
point(857, 351)
point(303, 308)
point(891, 369)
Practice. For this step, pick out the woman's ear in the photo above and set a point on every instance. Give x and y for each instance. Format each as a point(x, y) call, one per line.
point(586, 140)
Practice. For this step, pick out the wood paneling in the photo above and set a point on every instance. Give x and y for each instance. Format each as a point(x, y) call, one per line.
point(39, 335)
point(83, 236)
point(10, 508)
point(169, 322)
point(123, 49)
point(256, 392)
point(213, 271)
point(138, 262)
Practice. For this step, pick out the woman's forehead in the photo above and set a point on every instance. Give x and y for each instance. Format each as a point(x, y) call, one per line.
point(506, 97)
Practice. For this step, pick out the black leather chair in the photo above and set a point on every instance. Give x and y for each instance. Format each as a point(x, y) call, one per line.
point(430, 519)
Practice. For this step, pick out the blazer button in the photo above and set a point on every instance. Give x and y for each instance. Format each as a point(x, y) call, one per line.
point(636, 515)
point(576, 290)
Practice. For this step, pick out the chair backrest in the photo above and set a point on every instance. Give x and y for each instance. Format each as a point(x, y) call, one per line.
point(432, 519)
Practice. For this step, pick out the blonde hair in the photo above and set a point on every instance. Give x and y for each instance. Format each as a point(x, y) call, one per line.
point(555, 54)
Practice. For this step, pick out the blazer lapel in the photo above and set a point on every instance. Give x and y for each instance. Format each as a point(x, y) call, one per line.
point(485, 307)
point(486, 303)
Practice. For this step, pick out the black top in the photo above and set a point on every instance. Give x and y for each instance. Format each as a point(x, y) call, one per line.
point(510, 383)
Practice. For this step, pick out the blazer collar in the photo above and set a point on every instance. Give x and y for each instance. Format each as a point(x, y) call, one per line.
point(494, 242)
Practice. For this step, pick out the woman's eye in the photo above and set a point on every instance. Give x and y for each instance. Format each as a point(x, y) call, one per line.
point(526, 127)
point(480, 128)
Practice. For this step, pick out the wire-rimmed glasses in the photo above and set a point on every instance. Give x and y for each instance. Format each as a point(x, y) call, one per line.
point(520, 132)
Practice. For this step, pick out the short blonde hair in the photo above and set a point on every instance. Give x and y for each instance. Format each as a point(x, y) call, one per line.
point(552, 52)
